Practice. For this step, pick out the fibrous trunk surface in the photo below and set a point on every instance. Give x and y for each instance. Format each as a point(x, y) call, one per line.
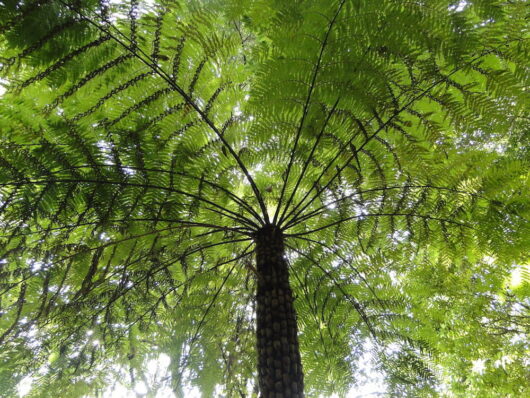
point(279, 366)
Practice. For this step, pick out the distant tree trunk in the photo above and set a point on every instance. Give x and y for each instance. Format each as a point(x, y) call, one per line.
point(279, 366)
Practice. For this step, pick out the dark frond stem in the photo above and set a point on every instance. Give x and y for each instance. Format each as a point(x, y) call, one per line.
point(170, 262)
point(133, 15)
point(233, 215)
point(313, 308)
point(20, 305)
point(83, 81)
point(306, 163)
point(222, 214)
point(146, 234)
point(113, 243)
point(306, 108)
point(165, 265)
point(373, 135)
point(158, 33)
point(205, 314)
point(354, 269)
point(53, 32)
point(99, 103)
point(358, 308)
point(365, 52)
point(188, 224)
point(63, 61)
point(187, 282)
point(314, 185)
point(380, 215)
point(90, 249)
point(303, 217)
point(149, 62)
point(236, 198)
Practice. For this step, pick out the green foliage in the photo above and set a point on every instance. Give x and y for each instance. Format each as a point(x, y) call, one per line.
point(144, 142)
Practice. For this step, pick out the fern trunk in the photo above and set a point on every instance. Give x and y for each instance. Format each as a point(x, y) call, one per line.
point(279, 365)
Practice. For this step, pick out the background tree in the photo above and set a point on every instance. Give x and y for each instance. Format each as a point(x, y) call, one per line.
point(175, 174)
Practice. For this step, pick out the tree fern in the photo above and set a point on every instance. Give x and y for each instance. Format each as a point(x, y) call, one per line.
point(294, 182)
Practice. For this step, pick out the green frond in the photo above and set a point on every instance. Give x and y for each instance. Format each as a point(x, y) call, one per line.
point(144, 143)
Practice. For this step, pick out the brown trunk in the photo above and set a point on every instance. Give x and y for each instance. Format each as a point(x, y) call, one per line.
point(279, 366)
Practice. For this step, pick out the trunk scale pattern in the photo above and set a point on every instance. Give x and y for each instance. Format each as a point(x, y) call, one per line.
point(279, 366)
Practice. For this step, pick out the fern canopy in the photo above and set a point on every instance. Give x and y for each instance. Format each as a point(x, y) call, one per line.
point(144, 143)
